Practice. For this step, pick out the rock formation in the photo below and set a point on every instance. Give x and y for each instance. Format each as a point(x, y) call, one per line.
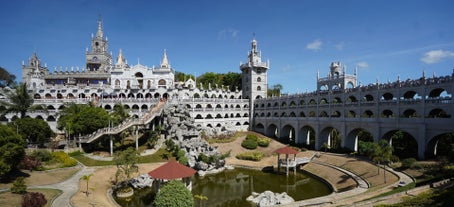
point(181, 129)
point(269, 198)
point(142, 181)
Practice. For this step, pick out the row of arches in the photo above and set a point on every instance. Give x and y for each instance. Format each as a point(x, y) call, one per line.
point(404, 142)
point(218, 106)
point(438, 93)
point(237, 124)
point(221, 116)
point(387, 113)
point(100, 95)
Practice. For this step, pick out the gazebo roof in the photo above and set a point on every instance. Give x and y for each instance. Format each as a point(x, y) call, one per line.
point(286, 150)
point(171, 170)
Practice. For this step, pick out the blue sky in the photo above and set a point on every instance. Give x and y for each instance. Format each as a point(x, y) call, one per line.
point(384, 39)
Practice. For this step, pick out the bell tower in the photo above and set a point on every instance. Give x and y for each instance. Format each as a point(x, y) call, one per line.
point(254, 78)
point(98, 58)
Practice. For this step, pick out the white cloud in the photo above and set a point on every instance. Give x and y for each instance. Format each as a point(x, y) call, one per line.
point(435, 56)
point(315, 45)
point(340, 46)
point(362, 64)
point(286, 68)
point(228, 33)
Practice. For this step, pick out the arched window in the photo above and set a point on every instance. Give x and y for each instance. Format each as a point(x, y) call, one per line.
point(259, 79)
point(259, 88)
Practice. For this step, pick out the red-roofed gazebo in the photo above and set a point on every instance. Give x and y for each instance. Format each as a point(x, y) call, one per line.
point(286, 163)
point(172, 170)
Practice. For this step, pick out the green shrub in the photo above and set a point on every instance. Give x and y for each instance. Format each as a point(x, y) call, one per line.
point(252, 137)
point(41, 155)
point(263, 141)
point(64, 158)
point(249, 144)
point(166, 195)
point(202, 157)
point(19, 186)
point(183, 160)
point(408, 162)
point(254, 156)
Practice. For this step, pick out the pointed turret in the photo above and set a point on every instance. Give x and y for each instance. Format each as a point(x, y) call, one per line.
point(165, 61)
point(99, 33)
point(120, 60)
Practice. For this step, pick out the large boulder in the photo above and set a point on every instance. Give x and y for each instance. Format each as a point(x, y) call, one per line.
point(269, 198)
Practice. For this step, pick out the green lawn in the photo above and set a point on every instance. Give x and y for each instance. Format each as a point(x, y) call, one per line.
point(159, 156)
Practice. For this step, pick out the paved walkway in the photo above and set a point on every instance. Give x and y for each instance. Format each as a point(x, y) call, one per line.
point(68, 187)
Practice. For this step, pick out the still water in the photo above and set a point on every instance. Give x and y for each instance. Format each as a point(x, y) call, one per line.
point(231, 188)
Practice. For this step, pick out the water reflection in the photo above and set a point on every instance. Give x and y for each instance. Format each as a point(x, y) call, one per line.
point(231, 188)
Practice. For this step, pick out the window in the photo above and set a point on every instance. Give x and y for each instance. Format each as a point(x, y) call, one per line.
point(259, 88)
point(259, 79)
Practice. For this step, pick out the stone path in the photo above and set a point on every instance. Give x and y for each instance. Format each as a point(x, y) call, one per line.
point(68, 187)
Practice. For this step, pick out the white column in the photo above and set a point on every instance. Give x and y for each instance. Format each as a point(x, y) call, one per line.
point(356, 144)
point(137, 139)
point(111, 146)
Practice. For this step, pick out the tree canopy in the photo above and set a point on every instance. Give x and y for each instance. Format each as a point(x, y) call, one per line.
point(12, 149)
point(229, 80)
point(166, 196)
point(34, 130)
point(82, 119)
point(275, 90)
point(6, 79)
point(126, 162)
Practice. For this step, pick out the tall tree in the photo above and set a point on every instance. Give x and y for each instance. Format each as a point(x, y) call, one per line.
point(82, 119)
point(126, 162)
point(20, 101)
point(12, 150)
point(6, 79)
point(118, 114)
point(232, 80)
point(382, 155)
point(275, 90)
point(34, 130)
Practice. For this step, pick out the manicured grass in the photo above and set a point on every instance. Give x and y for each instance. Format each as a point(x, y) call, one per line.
point(91, 162)
point(158, 156)
point(11, 199)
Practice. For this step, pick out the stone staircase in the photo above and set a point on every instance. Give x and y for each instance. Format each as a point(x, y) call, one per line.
point(146, 119)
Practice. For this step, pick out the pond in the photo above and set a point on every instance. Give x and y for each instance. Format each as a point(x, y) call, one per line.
point(232, 187)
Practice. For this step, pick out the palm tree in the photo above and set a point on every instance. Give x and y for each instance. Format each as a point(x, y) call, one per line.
point(20, 101)
point(87, 179)
point(382, 154)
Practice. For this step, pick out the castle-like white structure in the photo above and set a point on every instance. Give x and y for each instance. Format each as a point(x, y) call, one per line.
point(138, 87)
point(422, 108)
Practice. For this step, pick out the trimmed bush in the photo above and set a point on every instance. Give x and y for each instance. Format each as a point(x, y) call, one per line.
point(254, 156)
point(408, 162)
point(249, 143)
point(252, 137)
point(19, 186)
point(174, 193)
point(263, 141)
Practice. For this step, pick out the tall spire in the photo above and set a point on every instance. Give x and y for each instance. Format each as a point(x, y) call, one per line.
point(99, 33)
point(165, 61)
